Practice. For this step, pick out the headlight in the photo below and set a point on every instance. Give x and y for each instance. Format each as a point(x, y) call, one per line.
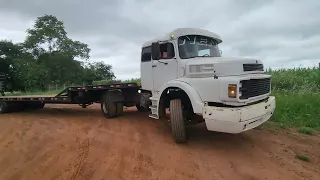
point(232, 90)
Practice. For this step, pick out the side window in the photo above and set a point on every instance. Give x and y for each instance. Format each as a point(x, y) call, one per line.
point(167, 51)
point(146, 54)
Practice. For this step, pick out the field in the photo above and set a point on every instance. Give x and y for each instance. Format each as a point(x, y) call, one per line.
point(298, 98)
point(68, 142)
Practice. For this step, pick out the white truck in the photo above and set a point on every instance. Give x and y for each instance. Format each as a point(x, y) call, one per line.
point(184, 72)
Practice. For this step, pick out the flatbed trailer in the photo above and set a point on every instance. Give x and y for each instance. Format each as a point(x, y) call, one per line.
point(112, 98)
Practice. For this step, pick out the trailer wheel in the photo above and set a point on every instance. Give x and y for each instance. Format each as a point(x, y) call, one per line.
point(3, 107)
point(109, 109)
point(119, 108)
point(177, 121)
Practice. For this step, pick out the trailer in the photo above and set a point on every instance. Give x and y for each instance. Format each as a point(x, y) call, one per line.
point(112, 98)
point(184, 74)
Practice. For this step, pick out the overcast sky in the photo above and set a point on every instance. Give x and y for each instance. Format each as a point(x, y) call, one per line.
point(282, 33)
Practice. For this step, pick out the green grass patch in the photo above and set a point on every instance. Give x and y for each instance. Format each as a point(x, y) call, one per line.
point(302, 157)
point(297, 109)
point(305, 130)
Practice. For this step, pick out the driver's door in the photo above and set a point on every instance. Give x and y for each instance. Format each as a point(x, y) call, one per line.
point(166, 68)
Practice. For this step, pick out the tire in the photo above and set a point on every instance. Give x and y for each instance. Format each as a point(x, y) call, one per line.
point(119, 108)
point(3, 107)
point(109, 109)
point(177, 121)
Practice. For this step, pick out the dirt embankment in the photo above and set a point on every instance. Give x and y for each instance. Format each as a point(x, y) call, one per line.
point(67, 142)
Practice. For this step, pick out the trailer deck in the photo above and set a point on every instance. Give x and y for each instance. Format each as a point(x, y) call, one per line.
point(82, 95)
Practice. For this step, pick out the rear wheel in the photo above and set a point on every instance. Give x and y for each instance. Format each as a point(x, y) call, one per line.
point(109, 109)
point(177, 121)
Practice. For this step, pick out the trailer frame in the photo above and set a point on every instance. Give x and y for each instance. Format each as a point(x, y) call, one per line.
point(117, 94)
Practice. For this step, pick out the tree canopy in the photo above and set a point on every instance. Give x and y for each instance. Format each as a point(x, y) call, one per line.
point(49, 56)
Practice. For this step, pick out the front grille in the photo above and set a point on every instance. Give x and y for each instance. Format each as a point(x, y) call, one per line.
point(255, 87)
point(252, 67)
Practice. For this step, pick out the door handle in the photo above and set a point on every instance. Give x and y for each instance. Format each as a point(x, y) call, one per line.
point(154, 65)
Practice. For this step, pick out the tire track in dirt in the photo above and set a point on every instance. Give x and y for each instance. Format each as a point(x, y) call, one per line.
point(84, 147)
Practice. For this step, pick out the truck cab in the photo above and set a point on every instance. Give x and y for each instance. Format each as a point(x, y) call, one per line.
point(184, 71)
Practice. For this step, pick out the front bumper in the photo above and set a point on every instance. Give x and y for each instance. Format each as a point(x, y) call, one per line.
point(238, 119)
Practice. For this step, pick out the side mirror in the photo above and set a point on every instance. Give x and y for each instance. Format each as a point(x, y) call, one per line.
point(155, 50)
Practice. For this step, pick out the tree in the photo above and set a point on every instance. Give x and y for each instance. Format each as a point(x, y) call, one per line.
point(102, 71)
point(48, 35)
point(28, 75)
point(75, 49)
point(98, 71)
point(61, 68)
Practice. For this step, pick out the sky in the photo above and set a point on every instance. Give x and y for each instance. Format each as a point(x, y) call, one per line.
point(281, 33)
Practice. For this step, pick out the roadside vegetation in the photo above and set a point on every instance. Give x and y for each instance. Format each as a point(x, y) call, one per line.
point(297, 94)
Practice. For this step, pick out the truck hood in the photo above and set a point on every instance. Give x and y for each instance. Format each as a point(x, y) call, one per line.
point(222, 66)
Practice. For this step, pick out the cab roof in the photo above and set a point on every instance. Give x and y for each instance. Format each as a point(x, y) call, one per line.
point(185, 31)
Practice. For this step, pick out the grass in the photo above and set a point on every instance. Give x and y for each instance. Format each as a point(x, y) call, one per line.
point(302, 157)
point(306, 130)
point(298, 109)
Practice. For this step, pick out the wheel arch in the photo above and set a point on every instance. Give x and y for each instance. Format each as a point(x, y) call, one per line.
point(192, 94)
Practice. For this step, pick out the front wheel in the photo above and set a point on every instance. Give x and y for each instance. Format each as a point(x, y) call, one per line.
point(177, 121)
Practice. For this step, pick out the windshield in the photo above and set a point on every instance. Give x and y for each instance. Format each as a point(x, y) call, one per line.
point(197, 46)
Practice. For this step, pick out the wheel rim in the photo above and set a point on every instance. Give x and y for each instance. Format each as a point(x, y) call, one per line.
point(104, 108)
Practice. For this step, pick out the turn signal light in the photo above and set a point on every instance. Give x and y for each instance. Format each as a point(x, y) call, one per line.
point(232, 90)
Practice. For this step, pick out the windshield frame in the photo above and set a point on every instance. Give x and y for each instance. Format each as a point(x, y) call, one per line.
point(215, 45)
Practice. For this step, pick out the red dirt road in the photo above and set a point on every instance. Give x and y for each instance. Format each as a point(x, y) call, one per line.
point(68, 142)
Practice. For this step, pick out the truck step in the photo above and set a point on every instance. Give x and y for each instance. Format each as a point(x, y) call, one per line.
point(153, 107)
point(153, 116)
point(154, 98)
